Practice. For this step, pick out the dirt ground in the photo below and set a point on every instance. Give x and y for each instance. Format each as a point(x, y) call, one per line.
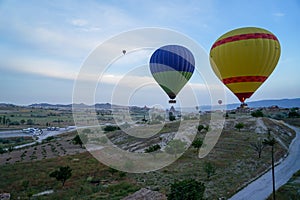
point(59, 146)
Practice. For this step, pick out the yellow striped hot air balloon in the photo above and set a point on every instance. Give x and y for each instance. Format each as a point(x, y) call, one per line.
point(244, 58)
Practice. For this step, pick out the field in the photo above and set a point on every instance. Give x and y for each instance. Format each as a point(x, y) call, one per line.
point(15, 117)
point(234, 159)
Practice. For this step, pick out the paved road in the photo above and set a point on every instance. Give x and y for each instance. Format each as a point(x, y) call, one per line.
point(44, 135)
point(261, 188)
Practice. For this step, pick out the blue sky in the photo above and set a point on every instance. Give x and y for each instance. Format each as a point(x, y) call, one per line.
point(45, 43)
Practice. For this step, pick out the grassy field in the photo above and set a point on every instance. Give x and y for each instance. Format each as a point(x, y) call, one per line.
point(235, 161)
point(37, 117)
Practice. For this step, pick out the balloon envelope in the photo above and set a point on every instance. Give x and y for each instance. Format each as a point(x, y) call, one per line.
point(244, 58)
point(172, 66)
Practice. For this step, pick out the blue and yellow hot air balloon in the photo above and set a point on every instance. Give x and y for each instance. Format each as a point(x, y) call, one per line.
point(244, 58)
point(172, 66)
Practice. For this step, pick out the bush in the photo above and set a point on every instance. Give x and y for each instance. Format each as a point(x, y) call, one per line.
point(187, 190)
point(152, 148)
point(14, 123)
point(257, 113)
point(110, 128)
point(293, 114)
point(62, 174)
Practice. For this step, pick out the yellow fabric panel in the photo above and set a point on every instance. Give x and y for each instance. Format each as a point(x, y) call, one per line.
point(251, 57)
point(244, 87)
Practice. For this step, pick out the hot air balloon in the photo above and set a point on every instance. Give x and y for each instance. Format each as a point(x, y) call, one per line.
point(124, 52)
point(220, 101)
point(244, 58)
point(172, 66)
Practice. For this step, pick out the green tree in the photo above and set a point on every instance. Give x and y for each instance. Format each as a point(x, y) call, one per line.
point(175, 147)
point(209, 169)
point(187, 190)
point(293, 114)
point(62, 174)
point(171, 116)
point(152, 148)
point(111, 128)
point(239, 126)
point(82, 139)
point(29, 122)
point(197, 143)
point(257, 113)
point(22, 121)
point(3, 119)
point(200, 127)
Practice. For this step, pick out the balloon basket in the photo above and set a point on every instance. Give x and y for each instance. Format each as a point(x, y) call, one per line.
point(172, 101)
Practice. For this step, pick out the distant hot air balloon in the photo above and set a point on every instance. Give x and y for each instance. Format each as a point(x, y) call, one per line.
point(244, 58)
point(172, 66)
point(124, 51)
point(220, 102)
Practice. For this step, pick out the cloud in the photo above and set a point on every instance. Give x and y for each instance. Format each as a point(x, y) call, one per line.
point(278, 14)
point(43, 67)
point(79, 22)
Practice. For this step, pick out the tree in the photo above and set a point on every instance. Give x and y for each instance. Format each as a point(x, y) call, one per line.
point(152, 148)
point(257, 113)
point(29, 122)
point(293, 114)
point(200, 128)
point(258, 146)
point(271, 142)
point(109, 128)
point(3, 119)
point(171, 116)
point(62, 174)
point(210, 169)
point(187, 190)
point(197, 143)
point(175, 147)
point(239, 126)
point(82, 139)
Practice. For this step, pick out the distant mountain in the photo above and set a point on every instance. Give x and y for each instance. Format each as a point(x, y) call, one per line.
point(47, 105)
point(282, 103)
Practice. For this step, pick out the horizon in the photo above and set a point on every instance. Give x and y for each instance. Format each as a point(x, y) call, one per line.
point(204, 105)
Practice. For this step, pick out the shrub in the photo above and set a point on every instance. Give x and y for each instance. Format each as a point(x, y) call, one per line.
point(110, 128)
point(257, 113)
point(187, 190)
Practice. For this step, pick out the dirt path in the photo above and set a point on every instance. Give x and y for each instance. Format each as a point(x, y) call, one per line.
point(261, 188)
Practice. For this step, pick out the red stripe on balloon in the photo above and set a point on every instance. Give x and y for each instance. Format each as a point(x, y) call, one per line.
point(240, 79)
point(244, 37)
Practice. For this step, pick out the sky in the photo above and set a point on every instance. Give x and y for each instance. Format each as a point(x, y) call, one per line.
point(45, 45)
